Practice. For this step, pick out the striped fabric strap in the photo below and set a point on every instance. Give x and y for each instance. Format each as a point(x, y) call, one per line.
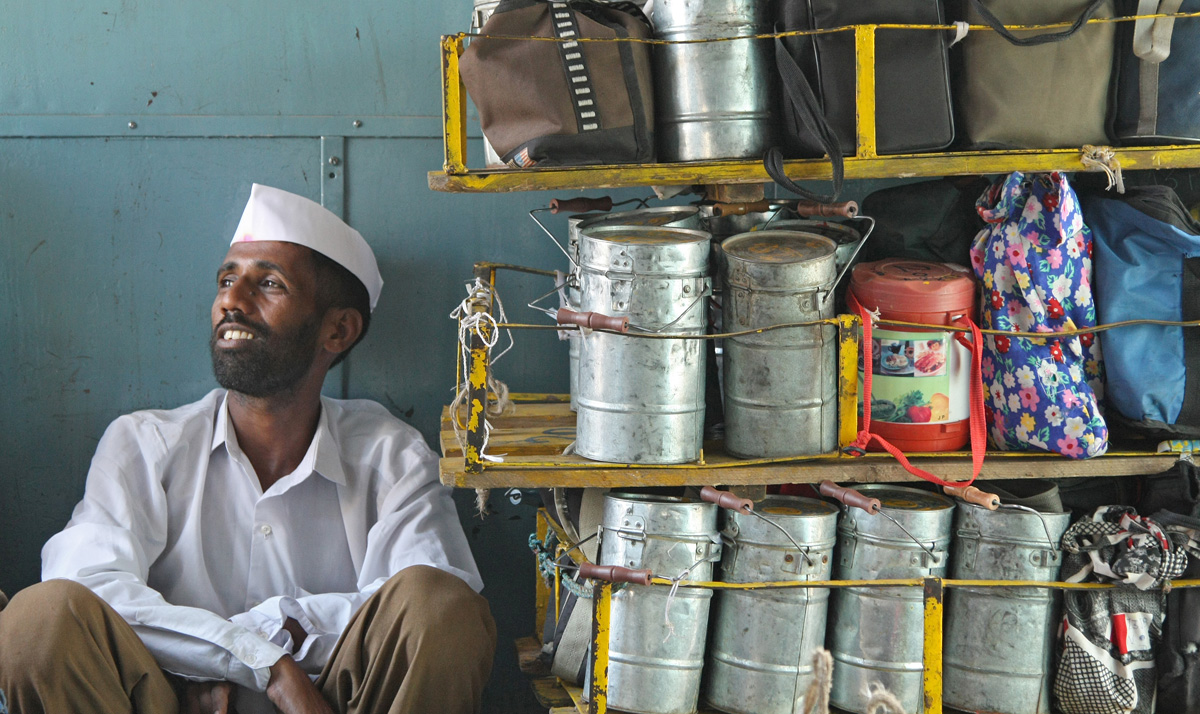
point(579, 80)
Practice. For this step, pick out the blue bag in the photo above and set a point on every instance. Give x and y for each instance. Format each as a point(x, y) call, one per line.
point(1034, 260)
point(1157, 83)
point(1145, 246)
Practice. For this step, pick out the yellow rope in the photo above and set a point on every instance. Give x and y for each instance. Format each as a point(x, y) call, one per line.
point(899, 583)
point(823, 31)
point(889, 323)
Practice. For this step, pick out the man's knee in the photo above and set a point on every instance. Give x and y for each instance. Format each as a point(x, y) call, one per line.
point(440, 604)
point(40, 619)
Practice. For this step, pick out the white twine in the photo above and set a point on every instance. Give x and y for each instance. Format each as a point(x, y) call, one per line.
point(960, 32)
point(474, 320)
point(671, 599)
point(560, 284)
point(675, 581)
point(1105, 159)
point(816, 697)
point(880, 700)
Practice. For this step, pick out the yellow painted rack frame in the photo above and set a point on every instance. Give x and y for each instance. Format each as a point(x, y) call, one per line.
point(456, 177)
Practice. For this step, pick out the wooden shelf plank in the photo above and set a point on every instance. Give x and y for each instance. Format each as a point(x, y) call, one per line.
point(581, 705)
point(532, 438)
point(572, 471)
point(735, 172)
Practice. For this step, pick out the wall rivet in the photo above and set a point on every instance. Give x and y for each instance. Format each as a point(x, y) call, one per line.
point(132, 125)
point(334, 161)
point(357, 124)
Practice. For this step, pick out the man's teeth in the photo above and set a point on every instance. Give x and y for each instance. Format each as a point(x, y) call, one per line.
point(237, 335)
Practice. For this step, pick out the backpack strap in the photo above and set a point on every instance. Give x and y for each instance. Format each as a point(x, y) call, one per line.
point(990, 20)
point(977, 423)
point(799, 92)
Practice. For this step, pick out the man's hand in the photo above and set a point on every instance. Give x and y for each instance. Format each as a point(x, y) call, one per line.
point(207, 698)
point(297, 632)
point(292, 692)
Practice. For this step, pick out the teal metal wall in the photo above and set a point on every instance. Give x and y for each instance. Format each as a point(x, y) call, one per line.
point(130, 133)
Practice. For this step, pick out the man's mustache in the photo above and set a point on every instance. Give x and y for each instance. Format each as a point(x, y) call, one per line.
point(235, 320)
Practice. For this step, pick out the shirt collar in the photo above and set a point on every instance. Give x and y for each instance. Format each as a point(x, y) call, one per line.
point(328, 461)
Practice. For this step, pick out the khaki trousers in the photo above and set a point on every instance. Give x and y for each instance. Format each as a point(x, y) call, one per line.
point(423, 643)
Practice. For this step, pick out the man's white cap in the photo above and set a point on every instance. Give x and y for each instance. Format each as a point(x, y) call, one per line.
point(275, 215)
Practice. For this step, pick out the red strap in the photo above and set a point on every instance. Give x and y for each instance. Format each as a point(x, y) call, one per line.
point(977, 421)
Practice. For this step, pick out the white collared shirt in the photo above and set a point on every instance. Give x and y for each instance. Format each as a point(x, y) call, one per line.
point(175, 532)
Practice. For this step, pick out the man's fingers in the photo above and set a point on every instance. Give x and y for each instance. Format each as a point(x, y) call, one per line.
point(222, 698)
point(192, 694)
point(208, 698)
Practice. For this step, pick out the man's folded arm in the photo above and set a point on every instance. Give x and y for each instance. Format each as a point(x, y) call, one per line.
point(115, 533)
point(421, 527)
point(188, 641)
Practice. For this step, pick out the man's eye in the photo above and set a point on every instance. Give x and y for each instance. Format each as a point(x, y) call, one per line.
point(271, 283)
point(224, 282)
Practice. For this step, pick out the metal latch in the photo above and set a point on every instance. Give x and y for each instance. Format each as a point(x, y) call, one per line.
point(621, 293)
point(968, 540)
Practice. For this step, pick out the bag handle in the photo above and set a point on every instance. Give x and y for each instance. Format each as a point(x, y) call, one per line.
point(804, 101)
point(990, 20)
point(1152, 36)
point(976, 422)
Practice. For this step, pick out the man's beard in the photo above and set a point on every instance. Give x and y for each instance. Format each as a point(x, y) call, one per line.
point(268, 364)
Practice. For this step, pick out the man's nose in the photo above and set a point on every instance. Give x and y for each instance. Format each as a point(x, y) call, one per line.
point(238, 297)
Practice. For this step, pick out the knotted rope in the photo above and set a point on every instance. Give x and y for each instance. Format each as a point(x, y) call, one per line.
point(881, 701)
point(816, 697)
point(475, 320)
point(1105, 159)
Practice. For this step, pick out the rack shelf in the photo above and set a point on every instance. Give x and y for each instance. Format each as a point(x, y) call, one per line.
point(533, 437)
point(456, 177)
point(752, 172)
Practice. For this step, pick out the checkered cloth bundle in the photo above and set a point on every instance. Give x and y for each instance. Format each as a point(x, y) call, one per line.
point(1109, 637)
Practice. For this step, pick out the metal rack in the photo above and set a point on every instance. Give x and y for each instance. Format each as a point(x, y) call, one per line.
point(456, 177)
point(539, 463)
point(595, 699)
point(466, 467)
point(535, 459)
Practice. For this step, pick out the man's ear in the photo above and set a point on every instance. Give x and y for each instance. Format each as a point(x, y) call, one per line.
point(341, 329)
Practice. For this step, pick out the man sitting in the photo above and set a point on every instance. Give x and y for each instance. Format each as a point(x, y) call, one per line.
point(264, 533)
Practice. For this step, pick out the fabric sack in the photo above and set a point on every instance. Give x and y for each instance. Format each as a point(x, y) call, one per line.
point(1109, 637)
point(544, 103)
point(1036, 89)
point(1147, 253)
point(1157, 86)
point(1034, 260)
point(912, 81)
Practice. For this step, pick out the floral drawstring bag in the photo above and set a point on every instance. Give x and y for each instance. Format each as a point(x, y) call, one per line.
point(1034, 260)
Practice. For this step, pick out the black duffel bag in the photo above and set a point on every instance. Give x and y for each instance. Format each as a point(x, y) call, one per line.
point(912, 81)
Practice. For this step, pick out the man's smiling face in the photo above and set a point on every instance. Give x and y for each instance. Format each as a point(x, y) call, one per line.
point(266, 320)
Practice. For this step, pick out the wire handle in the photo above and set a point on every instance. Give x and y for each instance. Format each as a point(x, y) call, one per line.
point(582, 204)
point(801, 207)
point(615, 573)
point(592, 320)
point(725, 499)
point(970, 494)
point(533, 215)
point(850, 497)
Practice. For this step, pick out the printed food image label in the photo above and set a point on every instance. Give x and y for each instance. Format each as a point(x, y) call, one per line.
point(910, 382)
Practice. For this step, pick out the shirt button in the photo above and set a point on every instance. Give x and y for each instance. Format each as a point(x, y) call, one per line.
point(265, 529)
